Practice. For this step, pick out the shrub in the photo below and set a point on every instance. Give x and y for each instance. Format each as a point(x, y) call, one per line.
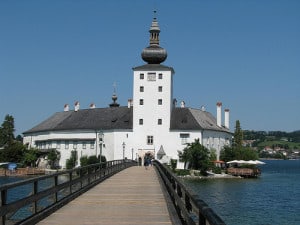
point(182, 172)
point(173, 164)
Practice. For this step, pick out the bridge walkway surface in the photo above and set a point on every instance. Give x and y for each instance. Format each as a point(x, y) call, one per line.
point(132, 196)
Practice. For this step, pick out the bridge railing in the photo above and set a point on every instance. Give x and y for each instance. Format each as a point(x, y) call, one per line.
point(190, 208)
point(31, 200)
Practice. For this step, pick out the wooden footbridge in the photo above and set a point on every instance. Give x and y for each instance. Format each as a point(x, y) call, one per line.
point(133, 196)
point(114, 193)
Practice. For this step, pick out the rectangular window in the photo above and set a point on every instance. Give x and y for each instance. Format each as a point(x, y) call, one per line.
point(151, 77)
point(159, 88)
point(141, 88)
point(75, 145)
point(66, 144)
point(149, 140)
point(184, 138)
point(84, 145)
point(159, 121)
point(49, 145)
point(141, 101)
point(159, 101)
point(141, 121)
point(160, 76)
point(92, 145)
point(141, 76)
point(58, 144)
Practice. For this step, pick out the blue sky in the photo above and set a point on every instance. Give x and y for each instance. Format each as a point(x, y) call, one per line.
point(245, 54)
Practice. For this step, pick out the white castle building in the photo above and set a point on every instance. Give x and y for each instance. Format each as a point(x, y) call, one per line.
point(150, 124)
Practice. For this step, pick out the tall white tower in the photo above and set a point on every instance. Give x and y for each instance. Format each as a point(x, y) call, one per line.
point(152, 97)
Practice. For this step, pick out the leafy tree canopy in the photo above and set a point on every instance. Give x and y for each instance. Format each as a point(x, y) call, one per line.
point(7, 130)
point(13, 153)
point(238, 135)
point(237, 151)
point(30, 156)
point(196, 155)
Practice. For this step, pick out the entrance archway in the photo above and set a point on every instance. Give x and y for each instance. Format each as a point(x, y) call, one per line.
point(145, 153)
point(150, 155)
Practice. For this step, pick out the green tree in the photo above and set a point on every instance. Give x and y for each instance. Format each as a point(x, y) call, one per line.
point(19, 138)
point(196, 155)
point(53, 156)
point(13, 153)
point(233, 153)
point(238, 135)
point(248, 153)
point(7, 130)
point(30, 157)
point(227, 154)
point(84, 161)
point(71, 162)
point(237, 151)
point(93, 160)
point(212, 155)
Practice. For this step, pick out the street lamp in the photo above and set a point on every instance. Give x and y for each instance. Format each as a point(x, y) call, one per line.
point(100, 136)
point(123, 150)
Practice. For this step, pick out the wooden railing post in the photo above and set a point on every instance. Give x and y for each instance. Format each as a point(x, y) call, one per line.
point(55, 185)
point(70, 180)
point(34, 192)
point(3, 203)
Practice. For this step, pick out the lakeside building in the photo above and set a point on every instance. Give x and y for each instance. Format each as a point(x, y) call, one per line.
point(151, 124)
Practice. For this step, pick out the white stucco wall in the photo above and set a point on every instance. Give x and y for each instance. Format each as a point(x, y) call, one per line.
point(151, 111)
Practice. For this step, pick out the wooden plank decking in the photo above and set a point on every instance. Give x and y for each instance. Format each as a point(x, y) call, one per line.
point(133, 196)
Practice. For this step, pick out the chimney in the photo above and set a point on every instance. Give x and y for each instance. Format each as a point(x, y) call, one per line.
point(66, 108)
point(219, 114)
point(182, 104)
point(174, 102)
point(129, 103)
point(77, 106)
point(92, 106)
point(226, 120)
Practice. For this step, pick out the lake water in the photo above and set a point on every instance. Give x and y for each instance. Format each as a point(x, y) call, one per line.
point(272, 199)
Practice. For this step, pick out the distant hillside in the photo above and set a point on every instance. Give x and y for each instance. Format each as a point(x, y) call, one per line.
point(286, 140)
point(272, 135)
point(274, 144)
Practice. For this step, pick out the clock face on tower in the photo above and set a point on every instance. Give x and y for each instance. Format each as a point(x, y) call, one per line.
point(151, 76)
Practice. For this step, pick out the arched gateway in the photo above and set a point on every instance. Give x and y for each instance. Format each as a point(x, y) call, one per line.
point(145, 153)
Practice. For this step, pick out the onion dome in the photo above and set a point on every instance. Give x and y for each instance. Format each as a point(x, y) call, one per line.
point(154, 54)
point(114, 103)
point(114, 98)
